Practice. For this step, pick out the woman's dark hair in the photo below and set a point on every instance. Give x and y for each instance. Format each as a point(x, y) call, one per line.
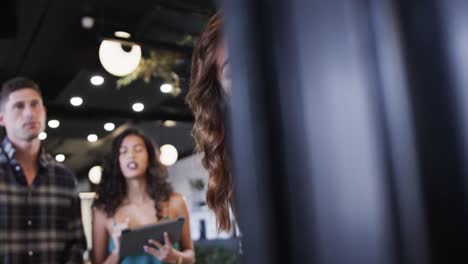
point(205, 98)
point(112, 189)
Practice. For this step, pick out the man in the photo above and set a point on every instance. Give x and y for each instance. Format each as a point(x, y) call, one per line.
point(40, 215)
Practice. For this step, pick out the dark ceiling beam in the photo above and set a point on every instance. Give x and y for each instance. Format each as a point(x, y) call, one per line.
point(61, 111)
point(34, 32)
point(185, 7)
point(148, 21)
point(152, 44)
point(8, 25)
point(167, 46)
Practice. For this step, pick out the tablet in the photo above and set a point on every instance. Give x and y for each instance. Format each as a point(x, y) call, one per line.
point(133, 240)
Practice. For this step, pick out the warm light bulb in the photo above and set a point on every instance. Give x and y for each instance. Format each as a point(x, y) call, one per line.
point(109, 126)
point(95, 174)
point(53, 123)
point(97, 80)
point(138, 107)
point(76, 101)
point(169, 123)
point(92, 138)
point(116, 60)
point(42, 135)
point(168, 155)
point(60, 157)
point(122, 34)
point(166, 88)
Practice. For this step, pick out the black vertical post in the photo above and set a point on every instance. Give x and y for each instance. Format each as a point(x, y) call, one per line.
point(321, 129)
point(428, 32)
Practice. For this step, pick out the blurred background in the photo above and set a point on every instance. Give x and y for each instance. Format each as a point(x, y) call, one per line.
point(106, 65)
point(349, 119)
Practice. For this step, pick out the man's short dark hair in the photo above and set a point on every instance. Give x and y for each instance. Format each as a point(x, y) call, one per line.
point(15, 84)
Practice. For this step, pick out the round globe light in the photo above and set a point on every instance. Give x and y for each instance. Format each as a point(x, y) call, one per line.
point(116, 60)
point(168, 155)
point(95, 174)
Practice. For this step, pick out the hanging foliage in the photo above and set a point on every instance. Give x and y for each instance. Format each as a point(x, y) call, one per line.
point(158, 65)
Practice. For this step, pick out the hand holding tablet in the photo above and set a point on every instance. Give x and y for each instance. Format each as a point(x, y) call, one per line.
point(132, 241)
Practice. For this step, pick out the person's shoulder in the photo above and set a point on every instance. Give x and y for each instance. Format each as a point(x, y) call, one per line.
point(98, 210)
point(177, 202)
point(3, 160)
point(63, 173)
point(176, 198)
point(63, 170)
point(100, 216)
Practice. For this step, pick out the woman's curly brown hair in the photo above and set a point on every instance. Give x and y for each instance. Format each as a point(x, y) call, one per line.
point(205, 98)
point(112, 189)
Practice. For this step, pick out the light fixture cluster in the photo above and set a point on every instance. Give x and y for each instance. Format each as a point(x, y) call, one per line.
point(119, 58)
point(96, 80)
point(54, 123)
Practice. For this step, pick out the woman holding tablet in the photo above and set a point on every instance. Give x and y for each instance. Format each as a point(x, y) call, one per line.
point(134, 192)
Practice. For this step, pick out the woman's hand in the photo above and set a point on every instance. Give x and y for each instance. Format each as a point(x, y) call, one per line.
point(165, 253)
point(116, 229)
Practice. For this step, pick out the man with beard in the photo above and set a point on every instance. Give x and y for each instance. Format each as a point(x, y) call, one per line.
point(40, 215)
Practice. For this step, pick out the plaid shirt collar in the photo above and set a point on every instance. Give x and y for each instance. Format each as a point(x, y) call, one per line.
point(10, 152)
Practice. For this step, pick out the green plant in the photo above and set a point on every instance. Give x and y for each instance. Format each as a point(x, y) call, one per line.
point(214, 255)
point(158, 65)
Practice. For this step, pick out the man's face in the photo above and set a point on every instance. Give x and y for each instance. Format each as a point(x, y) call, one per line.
point(23, 115)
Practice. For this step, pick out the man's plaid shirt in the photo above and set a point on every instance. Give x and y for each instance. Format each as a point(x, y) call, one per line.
point(40, 223)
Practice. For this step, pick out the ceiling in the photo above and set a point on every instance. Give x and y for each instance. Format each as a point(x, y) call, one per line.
point(47, 42)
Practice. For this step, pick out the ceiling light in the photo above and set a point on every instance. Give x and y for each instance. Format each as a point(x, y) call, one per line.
point(138, 107)
point(87, 22)
point(166, 88)
point(116, 60)
point(76, 101)
point(168, 155)
point(122, 34)
point(92, 137)
point(169, 123)
point(95, 174)
point(53, 123)
point(97, 80)
point(60, 157)
point(109, 126)
point(42, 135)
